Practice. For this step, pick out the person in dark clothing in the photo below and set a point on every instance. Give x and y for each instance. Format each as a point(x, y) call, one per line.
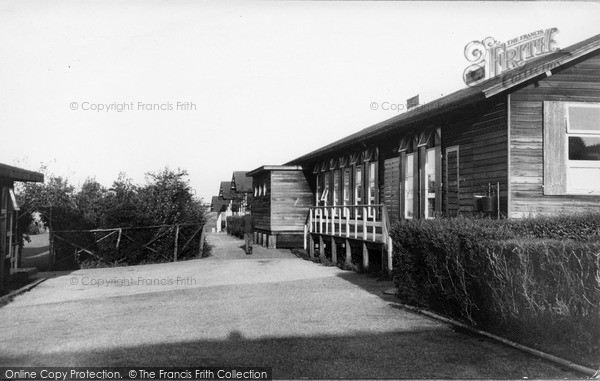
point(247, 222)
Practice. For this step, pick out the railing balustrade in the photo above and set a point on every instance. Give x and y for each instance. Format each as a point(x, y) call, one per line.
point(367, 223)
point(364, 222)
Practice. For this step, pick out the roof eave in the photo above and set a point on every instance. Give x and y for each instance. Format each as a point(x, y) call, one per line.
point(20, 174)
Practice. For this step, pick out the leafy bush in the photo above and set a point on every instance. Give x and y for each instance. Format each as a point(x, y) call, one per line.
point(165, 199)
point(235, 226)
point(528, 277)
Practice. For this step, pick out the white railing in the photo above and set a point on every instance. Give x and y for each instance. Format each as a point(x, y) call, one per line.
point(364, 222)
point(359, 222)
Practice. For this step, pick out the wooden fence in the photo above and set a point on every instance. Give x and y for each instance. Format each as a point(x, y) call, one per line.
point(114, 246)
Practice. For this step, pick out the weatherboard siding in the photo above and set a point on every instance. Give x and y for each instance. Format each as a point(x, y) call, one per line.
point(482, 138)
point(578, 83)
point(261, 205)
point(291, 197)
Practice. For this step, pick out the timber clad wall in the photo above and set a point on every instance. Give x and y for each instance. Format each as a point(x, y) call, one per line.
point(482, 155)
point(261, 204)
point(290, 198)
point(578, 83)
point(391, 187)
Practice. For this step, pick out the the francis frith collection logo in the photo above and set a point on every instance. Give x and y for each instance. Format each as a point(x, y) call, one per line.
point(490, 58)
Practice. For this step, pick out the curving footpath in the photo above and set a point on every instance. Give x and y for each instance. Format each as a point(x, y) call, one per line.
point(269, 309)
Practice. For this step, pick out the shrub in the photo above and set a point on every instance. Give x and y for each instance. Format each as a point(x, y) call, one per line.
point(519, 276)
point(235, 226)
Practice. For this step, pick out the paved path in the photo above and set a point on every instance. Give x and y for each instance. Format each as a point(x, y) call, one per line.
point(268, 309)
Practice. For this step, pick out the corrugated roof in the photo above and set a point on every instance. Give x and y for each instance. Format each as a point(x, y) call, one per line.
point(20, 174)
point(240, 182)
point(533, 69)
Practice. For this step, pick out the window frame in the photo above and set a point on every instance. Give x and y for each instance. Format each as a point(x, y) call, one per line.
point(409, 167)
point(570, 165)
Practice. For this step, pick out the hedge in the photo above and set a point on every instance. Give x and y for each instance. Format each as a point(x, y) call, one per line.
point(538, 277)
point(235, 226)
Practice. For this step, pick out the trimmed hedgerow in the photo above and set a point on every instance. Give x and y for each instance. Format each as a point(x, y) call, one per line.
point(537, 278)
point(235, 226)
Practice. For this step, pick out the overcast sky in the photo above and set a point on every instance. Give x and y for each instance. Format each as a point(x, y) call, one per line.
point(264, 82)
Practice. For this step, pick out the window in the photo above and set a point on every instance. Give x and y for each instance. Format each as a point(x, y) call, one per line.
point(372, 189)
point(347, 189)
point(319, 189)
point(571, 148)
point(358, 180)
point(13, 199)
point(325, 195)
point(430, 185)
point(336, 187)
point(583, 148)
point(409, 186)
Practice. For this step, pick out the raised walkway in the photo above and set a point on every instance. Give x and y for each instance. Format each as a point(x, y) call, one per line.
point(269, 309)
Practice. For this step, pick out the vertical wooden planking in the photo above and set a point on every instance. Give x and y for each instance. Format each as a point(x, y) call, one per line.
point(555, 161)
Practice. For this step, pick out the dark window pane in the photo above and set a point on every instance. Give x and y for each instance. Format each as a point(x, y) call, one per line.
point(584, 148)
point(584, 118)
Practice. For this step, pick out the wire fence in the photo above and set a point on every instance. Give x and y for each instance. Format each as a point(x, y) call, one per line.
point(126, 246)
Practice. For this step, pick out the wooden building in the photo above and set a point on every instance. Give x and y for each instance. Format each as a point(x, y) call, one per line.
point(281, 201)
point(523, 143)
point(8, 218)
point(242, 186)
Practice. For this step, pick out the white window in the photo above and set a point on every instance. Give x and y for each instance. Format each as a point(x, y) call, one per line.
point(372, 188)
point(319, 189)
point(583, 148)
point(430, 185)
point(409, 186)
point(358, 180)
point(347, 190)
point(325, 195)
point(336, 187)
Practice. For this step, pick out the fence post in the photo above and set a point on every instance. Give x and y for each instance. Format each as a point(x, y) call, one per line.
point(176, 239)
point(202, 238)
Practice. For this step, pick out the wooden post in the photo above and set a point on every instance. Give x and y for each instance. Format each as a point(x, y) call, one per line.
point(176, 239)
point(364, 223)
point(333, 251)
point(321, 246)
point(390, 249)
point(347, 223)
point(311, 246)
point(348, 252)
point(356, 223)
point(305, 236)
point(272, 241)
point(365, 256)
point(3, 229)
point(51, 240)
point(202, 239)
point(320, 221)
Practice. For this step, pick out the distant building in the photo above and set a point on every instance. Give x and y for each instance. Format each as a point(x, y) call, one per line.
point(241, 185)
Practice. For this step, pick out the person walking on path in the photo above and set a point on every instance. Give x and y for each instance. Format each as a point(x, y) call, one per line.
point(247, 221)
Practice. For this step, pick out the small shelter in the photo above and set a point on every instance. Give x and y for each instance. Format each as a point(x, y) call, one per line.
point(9, 260)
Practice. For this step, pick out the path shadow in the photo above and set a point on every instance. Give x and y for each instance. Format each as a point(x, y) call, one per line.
point(431, 352)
